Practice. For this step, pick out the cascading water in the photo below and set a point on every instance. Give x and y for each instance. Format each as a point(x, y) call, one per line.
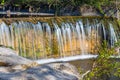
point(43, 41)
point(113, 37)
point(81, 36)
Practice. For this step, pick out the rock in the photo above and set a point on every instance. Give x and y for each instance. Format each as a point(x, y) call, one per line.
point(7, 51)
point(5, 69)
point(66, 68)
point(10, 57)
point(53, 71)
point(1, 21)
point(24, 66)
point(117, 50)
point(15, 67)
point(87, 10)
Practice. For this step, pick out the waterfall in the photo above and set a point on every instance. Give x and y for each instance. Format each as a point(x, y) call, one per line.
point(113, 37)
point(4, 35)
point(42, 40)
point(81, 36)
point(59, 40)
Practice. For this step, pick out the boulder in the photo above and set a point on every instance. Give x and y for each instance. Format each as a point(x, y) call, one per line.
point(5, 69)
point(53, 71)
point(10, 57)
point(15, 67)
point(66, 68)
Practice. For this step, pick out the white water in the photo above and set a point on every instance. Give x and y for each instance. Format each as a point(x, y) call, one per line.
point(39, 41)
point(113, 38)
point(66, 59)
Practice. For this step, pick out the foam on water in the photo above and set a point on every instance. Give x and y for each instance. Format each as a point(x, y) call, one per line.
point(66, 59)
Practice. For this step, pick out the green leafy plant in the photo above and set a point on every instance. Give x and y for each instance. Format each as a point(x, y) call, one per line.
point(104, 66)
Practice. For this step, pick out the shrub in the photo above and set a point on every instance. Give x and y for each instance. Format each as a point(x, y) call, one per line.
point(104, 66)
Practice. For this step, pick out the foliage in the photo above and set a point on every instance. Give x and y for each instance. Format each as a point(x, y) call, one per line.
point(104, 67)
point(118, 22)
point(58, 5)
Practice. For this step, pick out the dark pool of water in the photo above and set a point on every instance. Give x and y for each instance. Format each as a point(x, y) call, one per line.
point(83, 64)
point(87, 64)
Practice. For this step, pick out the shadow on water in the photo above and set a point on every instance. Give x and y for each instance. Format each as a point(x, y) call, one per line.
point(84, 65)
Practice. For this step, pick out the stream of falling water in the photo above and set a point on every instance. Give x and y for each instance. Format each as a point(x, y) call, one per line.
point(41, 40)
